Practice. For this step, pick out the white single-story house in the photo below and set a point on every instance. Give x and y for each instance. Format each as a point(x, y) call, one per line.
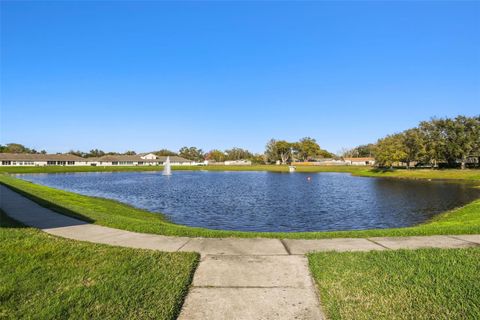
point(148, 156)
point(25, 159)
point(137, 160)
point(367, 161)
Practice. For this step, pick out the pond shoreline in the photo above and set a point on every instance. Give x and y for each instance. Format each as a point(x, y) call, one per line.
point(464, 220)
point(424, 174)
point(257, 201)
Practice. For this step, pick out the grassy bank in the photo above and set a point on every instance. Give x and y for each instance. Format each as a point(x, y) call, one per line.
point(44, 277)
point(465, 220)
point(451, 174)
point(417, 284)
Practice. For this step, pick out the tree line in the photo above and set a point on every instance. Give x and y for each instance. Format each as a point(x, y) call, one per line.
point(440, 142)
point(276, 150)
point(94, 153)
point(197, 154)
point(305, 149)
point(18, 148)
point(190, 153)
point(446, 142)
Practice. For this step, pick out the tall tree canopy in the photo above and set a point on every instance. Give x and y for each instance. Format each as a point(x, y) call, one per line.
point(446, 141)
point(390, 150)
point(215, 155)
point(413, 145)
point(192, 153)
point(364, 150)
point(165, 152)
point(304, 150)
point(95, 153)
point(307, 148)
point(17, 148)
point(237, 154)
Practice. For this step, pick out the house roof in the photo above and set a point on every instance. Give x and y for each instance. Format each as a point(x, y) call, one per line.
point(173, 159)
point(71, 157)
point(136, 158)
point(39, 157)
point(109, 158)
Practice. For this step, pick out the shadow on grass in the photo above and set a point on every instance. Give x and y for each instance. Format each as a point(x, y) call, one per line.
point(50, 205)
point(382, 170)
point(7, 222)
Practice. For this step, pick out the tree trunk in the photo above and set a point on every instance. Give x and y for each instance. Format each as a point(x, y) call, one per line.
point(464, 160)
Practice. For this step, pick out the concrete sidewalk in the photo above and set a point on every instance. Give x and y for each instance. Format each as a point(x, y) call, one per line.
point(236, 278)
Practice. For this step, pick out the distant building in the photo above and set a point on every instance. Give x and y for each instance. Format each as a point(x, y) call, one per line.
point(321, 162)
point(137, 160)
point(24, 159)
point(359, 161)
point(148, 156)
point(27, 159)
point(238, 163)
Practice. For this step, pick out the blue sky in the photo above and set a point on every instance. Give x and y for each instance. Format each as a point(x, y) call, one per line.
point(151, 75)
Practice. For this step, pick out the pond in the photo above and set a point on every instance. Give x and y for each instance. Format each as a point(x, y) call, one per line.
point(268, 201)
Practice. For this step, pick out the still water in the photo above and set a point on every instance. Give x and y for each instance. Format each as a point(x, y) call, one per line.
point(267, 201)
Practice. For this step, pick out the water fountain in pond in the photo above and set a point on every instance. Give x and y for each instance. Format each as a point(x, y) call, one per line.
point(167, 169)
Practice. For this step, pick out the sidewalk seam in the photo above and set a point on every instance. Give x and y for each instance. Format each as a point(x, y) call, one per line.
point(282, 241)
point(378, 244)
point(475, 243)
point(183, 245)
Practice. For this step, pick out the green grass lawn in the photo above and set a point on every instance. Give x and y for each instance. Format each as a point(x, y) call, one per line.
point(45, 277)
point(453, 174)
point(416, 284)
point(465, 220)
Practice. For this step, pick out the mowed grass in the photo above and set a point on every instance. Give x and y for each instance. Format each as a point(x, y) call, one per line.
point(450, 174)
point(464, 220)
point(44, 277)
point(405, 284)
